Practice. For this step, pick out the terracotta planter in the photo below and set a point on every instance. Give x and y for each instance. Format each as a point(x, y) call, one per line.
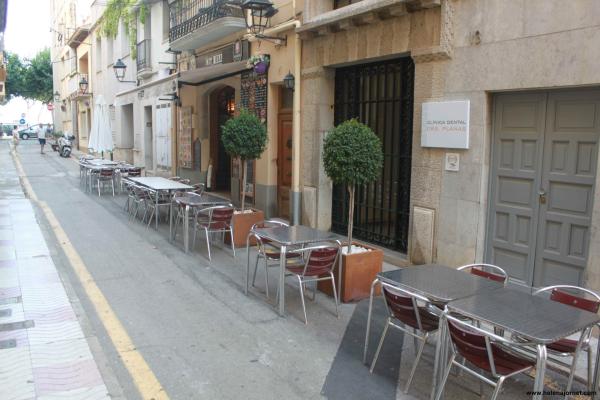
point(358, 272)
point(241, 226)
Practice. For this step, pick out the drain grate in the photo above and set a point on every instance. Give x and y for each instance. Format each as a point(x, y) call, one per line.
point(11, 300)
point(5, 313)
point(13, 326)
point(8, 344)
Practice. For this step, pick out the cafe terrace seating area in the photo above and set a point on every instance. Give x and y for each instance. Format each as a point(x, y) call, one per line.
point(461, 331)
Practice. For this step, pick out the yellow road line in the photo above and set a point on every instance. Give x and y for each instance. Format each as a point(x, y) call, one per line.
point(143, 377)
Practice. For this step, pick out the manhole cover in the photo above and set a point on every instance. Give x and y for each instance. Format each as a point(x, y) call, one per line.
point(13, 326)
point(5, 313)
point(8, 344)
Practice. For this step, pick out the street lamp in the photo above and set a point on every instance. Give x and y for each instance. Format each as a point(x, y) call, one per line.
point(83, 84)
point(260, 13)
point(56, 97)
point(119, 67)
point(289, 81)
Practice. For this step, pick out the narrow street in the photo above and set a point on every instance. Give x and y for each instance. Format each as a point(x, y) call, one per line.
point(189, 319)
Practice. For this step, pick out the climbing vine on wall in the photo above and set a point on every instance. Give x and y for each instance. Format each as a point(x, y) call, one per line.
point(123, 10)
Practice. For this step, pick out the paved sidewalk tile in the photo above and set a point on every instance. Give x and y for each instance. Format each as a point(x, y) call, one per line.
point(43, 350)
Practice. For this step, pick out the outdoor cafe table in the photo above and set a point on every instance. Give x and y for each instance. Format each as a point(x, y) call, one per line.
point(438, 283)
point(297, 235)
point(160, 184)
point(535, 318)
point(95, 165)
point(190, 201)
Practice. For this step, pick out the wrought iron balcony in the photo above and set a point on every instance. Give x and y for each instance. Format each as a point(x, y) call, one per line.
point(194, 23)
point(143, 60)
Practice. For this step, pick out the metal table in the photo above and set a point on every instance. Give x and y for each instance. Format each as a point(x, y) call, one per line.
point(438, 283)
point(89, 167)
point(190, 201)
point(285, 237)
point(534, 318)
point(160, 184)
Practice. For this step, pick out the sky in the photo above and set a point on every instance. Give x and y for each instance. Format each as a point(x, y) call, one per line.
point(27, 32)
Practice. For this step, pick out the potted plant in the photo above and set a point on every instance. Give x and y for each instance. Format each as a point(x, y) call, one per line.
point(259, 62)
point(353, 156)
point(244, 137)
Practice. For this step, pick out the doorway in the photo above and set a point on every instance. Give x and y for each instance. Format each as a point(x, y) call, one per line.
point(148, 138)
point(544, 161)
point(222, 109)
point(284, 151)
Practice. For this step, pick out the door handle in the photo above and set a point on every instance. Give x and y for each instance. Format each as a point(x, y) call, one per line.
point(542, 196)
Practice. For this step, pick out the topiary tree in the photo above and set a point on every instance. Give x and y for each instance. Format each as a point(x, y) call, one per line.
point(244, 137)
point(352, 155)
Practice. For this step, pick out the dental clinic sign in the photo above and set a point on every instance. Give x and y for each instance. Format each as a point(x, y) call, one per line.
point(445, 124)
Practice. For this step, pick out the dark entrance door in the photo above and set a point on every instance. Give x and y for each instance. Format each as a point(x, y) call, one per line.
point(223, 108)
point(379, 95)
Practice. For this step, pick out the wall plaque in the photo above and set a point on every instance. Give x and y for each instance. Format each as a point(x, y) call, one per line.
point(445, 124)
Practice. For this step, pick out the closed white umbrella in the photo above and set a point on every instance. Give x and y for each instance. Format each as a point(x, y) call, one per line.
point(101, 134)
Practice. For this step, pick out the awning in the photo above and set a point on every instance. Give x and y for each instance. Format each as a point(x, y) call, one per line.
point(200, 76)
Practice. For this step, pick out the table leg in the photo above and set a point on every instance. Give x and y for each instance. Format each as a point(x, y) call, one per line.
point(596, 370)
point(171, 220)
point(282, 281)
point(540, 372)
point(247, 263)
point(186, 228)
point(368, 332)
point(439, 360)
point(156, 211)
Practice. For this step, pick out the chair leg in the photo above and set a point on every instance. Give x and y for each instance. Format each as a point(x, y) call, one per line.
point(232, 243)
point(335, 295)
point(387, 325)
point(98, 187)
point(445, 378)
point(415, 364)
point(152, 214)
point(572, 371)
point(112, 182)
point(589, 367)
point(207, 243)
point(300, 283)
point(255, 270)
point(498, 388)
point(267, 277)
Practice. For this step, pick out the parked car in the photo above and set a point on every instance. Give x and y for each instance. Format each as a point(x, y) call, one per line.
point(32, 131)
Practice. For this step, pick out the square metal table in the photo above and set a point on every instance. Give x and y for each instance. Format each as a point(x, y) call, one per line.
point(535, 318)
point(160, 184)
point(190, 201)
point(438, 283)
point(285, 237)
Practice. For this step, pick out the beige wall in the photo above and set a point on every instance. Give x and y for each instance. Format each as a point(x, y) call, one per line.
point(465, 49)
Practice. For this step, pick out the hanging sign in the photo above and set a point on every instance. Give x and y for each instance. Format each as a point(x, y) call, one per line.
point(445, 124)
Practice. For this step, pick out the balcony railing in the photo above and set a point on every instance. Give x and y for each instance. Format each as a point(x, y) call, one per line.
point(188, 15)
point(143, 55)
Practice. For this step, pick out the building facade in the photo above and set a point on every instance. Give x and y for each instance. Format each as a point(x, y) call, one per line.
point(521, 193)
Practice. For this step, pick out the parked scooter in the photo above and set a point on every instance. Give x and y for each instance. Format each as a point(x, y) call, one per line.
point(65, 145)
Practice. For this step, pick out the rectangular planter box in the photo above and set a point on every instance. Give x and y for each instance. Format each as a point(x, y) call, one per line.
point(358, 272)
point(242, 223)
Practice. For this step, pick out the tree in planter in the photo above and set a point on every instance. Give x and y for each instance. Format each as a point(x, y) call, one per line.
point(244, 137)
point(352, 156)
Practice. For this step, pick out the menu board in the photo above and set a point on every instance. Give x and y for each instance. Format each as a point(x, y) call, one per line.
point(254, 94)
point(184, 144)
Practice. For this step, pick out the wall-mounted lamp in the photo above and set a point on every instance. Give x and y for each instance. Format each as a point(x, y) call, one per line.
point(289, 81)
point(56, 97)
point(119, 67)
point(83, 84)
point(257, 20)
point(231, 106)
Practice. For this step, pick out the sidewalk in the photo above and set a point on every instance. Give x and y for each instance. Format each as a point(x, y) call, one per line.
point(43, 351)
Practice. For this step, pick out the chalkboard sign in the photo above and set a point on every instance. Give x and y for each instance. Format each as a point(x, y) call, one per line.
point(254, 94)
point(185, 137)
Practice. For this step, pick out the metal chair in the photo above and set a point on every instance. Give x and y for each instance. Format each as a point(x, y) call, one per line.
point(488, 271)
point(486, 351)
point(215, 219)
point(569, 347)
point(185, 181)
point(317, 264)
point(105, 176)
point(267, 250)
point(154, 206)
point(139, 199)
point(417, 317)
point(175, 178)
point(199, 188)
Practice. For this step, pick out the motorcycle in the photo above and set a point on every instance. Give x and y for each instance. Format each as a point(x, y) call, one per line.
point(65, 146)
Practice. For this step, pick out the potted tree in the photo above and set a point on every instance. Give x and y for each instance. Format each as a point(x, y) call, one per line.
point(244, 137)
point(353, 156)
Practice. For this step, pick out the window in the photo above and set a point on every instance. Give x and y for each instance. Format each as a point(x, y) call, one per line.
point(109, 51)
point(98, 54)
point(166, 20)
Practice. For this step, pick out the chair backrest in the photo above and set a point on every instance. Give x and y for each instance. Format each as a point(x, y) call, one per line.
point(184, 181)
point(488, 271)
point(107, 172)
point(321, 260)
point(134, 172)
point(175, 178)
point(470, 343)
point(403, 305)
point(566, 294)
point(220, 217)
point(198, 188)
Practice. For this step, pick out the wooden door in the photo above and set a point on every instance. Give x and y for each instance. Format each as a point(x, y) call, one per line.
point(284, 164)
